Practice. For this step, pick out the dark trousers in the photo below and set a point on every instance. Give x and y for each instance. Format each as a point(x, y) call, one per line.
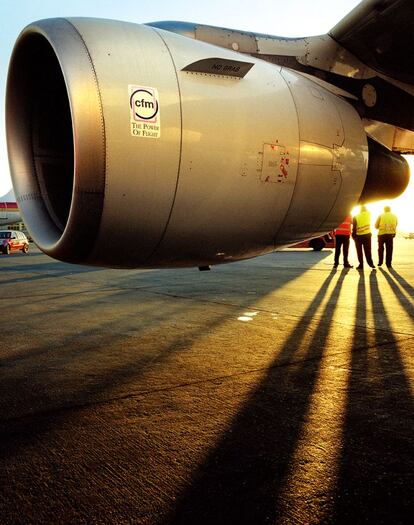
point(341, 241)
point(386, 239)
point(364, 242)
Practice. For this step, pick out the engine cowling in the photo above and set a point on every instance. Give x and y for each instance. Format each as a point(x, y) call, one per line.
point(122, 158)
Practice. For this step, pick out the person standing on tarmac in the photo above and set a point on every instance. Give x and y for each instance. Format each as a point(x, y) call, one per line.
point(386, 225)
point(361, 233)
point(342, 235)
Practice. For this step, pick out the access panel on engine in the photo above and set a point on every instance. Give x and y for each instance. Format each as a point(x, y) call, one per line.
point(274, 164)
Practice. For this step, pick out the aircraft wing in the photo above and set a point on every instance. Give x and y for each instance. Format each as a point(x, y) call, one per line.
point(380, 33)
point(366, 58)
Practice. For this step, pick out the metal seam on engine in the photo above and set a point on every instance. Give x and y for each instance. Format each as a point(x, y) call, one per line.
point(103, 131)
point(163, 234)
point(298, 164)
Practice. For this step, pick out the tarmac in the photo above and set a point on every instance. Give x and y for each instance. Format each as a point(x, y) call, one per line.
point(272, 391)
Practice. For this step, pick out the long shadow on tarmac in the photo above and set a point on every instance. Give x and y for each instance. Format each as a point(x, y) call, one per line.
point(53, 393)
point(123, 323)
point(402, 299)
point(240, 481)
point(375, 478)
point(404, 284)
point(44, 271)
point(242, 478)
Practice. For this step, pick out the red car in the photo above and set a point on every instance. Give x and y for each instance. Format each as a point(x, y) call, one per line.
point(13, 241)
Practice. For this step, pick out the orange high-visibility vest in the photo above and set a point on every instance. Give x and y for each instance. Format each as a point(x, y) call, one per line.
point(345, 227)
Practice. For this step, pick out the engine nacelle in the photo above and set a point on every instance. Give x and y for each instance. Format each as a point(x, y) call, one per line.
point(123, 156)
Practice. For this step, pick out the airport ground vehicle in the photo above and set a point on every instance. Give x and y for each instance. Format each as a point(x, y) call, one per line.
point(318, 243)
point(13, 241)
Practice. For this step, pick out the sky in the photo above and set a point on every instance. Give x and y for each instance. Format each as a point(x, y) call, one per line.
point(292, 18)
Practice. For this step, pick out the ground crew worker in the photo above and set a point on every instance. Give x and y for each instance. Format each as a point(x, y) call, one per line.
point(361, 233)
point(386, 225)
point(342, 235)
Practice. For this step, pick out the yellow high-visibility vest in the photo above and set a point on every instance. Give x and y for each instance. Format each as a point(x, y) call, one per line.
point(363, 222)
point(387, 223)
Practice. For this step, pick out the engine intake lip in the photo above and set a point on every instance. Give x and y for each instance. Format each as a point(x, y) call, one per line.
point(56, 138)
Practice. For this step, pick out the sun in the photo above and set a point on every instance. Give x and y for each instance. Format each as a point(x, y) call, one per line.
point(402, 206)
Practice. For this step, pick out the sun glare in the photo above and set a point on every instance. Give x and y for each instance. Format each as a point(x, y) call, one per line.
point(402, 206)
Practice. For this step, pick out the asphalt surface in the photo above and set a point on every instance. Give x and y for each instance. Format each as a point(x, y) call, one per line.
point(273, 391)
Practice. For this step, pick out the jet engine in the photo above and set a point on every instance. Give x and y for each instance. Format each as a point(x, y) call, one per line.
point(131, 146)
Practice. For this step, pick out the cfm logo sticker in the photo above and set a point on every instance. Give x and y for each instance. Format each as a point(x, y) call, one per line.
point(144, 111)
